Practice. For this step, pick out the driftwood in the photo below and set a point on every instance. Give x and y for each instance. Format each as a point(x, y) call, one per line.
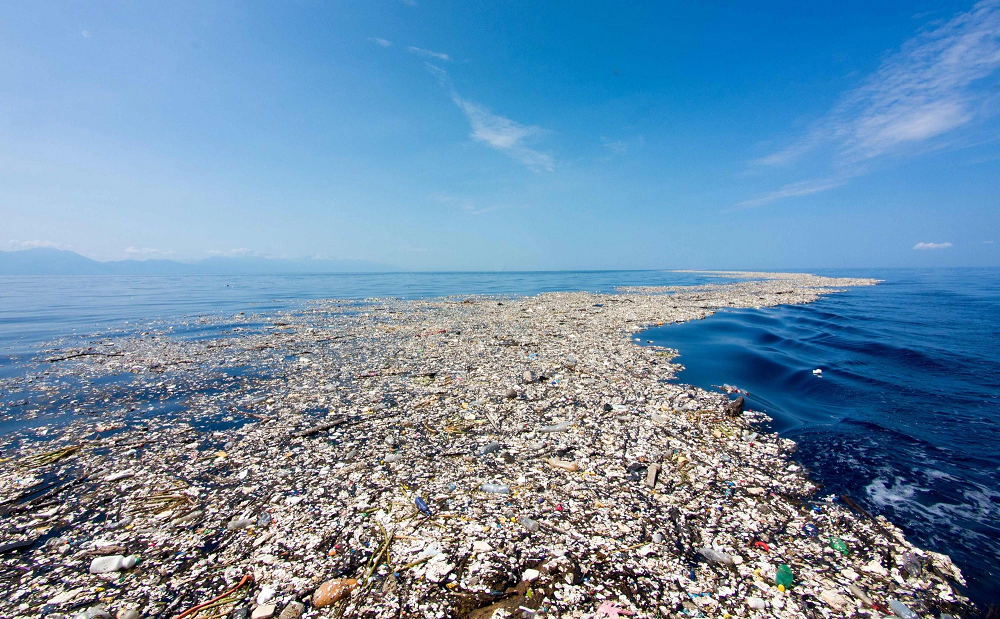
point(86, 353)
point(323, 427)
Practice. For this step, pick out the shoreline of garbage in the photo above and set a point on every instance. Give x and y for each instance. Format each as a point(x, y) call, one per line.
point(458, 457)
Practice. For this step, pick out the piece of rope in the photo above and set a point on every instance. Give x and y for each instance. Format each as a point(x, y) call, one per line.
point(194, 609)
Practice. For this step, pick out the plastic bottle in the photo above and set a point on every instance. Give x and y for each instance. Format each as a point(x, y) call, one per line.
point(838, 544)
point(715, 556)
point(112, 563)
point(423, 506)
point(94, 612)
point(528, 524)
point(900, 610)
point(784, 577)
point(912, 565)
point(489, 448)
point(559, 427)
point(241, 523)
point(495, 488)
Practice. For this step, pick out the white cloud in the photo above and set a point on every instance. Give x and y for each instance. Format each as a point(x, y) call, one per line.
point(146, 251)
point(426, 53)
point(382, 42)
point(239, 252)
point(794, 190)
point(932, 246)
point(465, 204)
point(617, 147)
point(15, 244)
point(438, 72)
point(504, 134)
point(925, 89)
point(932, 86)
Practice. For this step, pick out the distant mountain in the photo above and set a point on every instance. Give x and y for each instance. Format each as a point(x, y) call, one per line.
point(44, 261)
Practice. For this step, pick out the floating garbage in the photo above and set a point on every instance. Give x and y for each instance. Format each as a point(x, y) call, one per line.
point(422, 506)
point(113, 563)
point(783, 577)
point(495, 488)
point(472, 457)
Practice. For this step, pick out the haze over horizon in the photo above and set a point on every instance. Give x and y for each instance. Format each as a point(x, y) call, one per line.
point(438, 136)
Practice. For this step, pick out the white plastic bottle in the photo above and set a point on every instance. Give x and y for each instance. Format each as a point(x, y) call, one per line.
point(112, 563)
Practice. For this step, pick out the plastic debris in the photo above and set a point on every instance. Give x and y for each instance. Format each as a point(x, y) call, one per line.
point(715, 556)
point(422, 506)
point(495, 488)
point(113, 563)
point(332, 591)
point(783, 578)
point(519, 456)
point(901, 610)
point(838, 544)
point(529, 524)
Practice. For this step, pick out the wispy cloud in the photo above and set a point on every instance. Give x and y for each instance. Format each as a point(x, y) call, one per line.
point(617, 147)
point(467, 205)
point(503, 134)
point(932, 246)
point(239, 252)
point(439, 73)
point(794, 190)
point(146, 251)
point(925, 91)
point(427, 53)
point(15, 244)
point(382, 42)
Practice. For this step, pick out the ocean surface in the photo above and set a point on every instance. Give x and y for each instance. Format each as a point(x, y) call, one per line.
point(905, 418)
point(906, 415)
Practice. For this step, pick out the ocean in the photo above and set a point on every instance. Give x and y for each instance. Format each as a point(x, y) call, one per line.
point(905, 417)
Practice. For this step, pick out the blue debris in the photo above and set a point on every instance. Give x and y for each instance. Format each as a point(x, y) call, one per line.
point(423, 506)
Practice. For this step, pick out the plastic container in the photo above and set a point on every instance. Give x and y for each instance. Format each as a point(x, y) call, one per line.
point(529, 524)
point(838, 544)
point(901, 610)
point(112, 563)
point(715, 556)
point(422, 506)
point(783, 576)
point(495, 488)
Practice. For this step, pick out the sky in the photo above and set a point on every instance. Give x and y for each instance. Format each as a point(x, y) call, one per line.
point(505, 135)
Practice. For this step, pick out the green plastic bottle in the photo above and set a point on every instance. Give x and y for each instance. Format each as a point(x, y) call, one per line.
point(838, 544)
point(784, 576)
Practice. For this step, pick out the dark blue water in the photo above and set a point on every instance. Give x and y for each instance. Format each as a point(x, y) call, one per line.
point(906, 416)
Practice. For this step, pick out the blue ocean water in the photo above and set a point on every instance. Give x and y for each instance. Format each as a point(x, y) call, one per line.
point(906, 415)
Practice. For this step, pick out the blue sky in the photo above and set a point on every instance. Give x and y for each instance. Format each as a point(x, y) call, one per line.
point(508, 135)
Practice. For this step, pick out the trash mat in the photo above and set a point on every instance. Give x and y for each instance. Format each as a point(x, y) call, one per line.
point(454, 457)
